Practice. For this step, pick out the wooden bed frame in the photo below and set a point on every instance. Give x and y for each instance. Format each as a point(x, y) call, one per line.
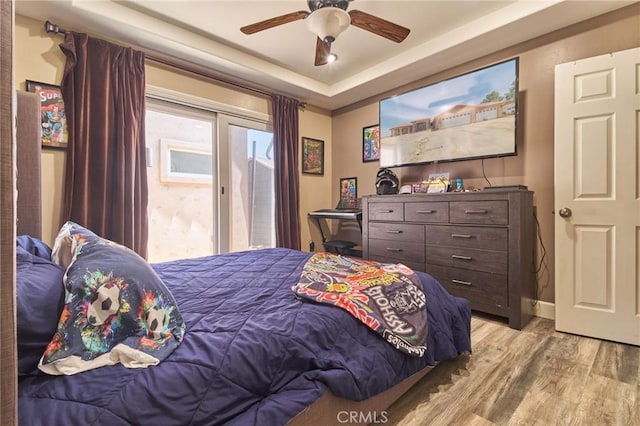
point(325, 411)
point(29, 211)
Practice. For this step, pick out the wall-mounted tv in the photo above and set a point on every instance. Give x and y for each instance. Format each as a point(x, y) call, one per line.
point(469, 116)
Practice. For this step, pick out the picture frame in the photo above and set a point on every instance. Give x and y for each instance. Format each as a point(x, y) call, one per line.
point(371, 143)
point(312, 156)
point(349, 192)
point(52, 114)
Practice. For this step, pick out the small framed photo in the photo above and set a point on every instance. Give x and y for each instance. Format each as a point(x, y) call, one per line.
point(370, 143)
point(52, 114)
point(312, 156)
point(349, 192)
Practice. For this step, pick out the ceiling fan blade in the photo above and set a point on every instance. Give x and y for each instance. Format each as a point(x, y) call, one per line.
point(274, 22)
point(323, 49)
point(379, 26)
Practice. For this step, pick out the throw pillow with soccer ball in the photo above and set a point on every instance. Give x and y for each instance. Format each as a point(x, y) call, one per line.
point(117, 309)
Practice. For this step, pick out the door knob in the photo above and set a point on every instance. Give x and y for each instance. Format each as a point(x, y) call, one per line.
point(565, 212)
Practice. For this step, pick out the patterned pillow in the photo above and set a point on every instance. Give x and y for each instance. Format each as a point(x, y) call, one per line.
point(117, 310)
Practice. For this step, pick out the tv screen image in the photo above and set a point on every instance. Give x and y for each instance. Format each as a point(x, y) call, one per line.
point(469, 116)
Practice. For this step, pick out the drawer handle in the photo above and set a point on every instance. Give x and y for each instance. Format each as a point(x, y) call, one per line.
point(460, 236)
point(394, 249)
point(461, 282)
point(455, 256)
point(393, 231)
point(479, 211)
point(385, 211)
point(425, 211)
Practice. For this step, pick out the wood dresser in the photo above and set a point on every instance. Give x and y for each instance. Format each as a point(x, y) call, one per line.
point(479, 245)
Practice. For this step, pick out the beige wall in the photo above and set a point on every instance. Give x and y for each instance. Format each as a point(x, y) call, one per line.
point(315, 190)
point(39, 58)
point(533, 166)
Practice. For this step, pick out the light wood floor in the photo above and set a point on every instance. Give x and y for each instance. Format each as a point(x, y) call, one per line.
point(536, 376)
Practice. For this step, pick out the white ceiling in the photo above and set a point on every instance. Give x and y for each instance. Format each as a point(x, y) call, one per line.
point(207, 33)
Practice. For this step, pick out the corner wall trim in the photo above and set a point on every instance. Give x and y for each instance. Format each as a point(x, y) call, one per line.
point(545, 310)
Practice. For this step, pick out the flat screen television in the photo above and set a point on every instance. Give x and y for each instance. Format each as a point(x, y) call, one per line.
point(469, 116)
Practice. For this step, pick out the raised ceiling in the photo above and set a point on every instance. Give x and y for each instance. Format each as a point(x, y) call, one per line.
point(207, 33)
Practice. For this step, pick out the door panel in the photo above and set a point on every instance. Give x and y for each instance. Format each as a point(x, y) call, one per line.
point(594, 145)
point(247, 201)
point(597, 225)
point(181, 175)
point(593, 267)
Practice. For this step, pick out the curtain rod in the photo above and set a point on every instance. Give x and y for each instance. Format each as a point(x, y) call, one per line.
point(53, 28)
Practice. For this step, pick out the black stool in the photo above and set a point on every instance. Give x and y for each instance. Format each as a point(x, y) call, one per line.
point(339, 246)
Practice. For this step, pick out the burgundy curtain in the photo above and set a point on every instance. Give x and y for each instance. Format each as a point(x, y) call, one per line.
point(285, 150)
point(106, 177)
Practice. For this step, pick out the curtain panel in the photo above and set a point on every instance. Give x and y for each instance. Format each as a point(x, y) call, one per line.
point(285, 150)
point(103, 87)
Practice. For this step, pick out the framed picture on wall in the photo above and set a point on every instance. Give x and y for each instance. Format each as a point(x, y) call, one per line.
point(370, 143)
point(52, 114)
point(349, 192)
point(312, 156)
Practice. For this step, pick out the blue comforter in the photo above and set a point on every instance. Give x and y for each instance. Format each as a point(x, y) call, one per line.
point(252, 352)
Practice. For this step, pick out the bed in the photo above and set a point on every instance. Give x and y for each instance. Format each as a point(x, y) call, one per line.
point(251, 352)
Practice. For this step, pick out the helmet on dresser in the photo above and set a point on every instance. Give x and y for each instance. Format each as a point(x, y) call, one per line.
point(386, 182)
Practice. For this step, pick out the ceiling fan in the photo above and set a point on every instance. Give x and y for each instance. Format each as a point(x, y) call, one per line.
point(327, 19)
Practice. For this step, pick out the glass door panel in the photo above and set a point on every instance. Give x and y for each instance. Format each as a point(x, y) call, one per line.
point(181, 175)
point(250, 202)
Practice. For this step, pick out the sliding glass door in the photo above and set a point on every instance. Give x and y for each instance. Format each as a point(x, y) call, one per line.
point(211, 181)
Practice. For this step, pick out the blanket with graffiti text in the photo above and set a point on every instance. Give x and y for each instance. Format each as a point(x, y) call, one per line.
point(388, 298)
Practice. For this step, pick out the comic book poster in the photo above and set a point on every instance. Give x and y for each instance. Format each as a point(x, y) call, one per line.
point(370, 143)
point(52, 114)
point(312, 156)
point(349, 192)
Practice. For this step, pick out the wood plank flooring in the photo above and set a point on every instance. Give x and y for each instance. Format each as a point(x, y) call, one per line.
point(536, 376)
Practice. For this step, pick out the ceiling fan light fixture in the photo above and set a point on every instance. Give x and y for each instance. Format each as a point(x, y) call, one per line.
point(332, 58)
point(328, 23)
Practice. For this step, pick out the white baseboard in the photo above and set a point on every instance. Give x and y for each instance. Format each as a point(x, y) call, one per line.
point(545, 310)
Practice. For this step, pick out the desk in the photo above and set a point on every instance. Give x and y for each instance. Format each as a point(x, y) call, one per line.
point(340, 246)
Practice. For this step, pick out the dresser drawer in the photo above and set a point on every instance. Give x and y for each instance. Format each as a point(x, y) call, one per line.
point(480, 288)
point(401, 250)
point(479, 212)
point(466, 258)
point(468, 236)
point(416, 266)
point(396, 232)
point(386, 211)
point(433, 212)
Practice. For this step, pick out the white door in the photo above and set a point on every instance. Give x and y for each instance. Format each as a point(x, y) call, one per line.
point(597, 192)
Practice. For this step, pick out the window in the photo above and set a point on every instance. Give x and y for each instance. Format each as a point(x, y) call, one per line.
point(185, 162)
